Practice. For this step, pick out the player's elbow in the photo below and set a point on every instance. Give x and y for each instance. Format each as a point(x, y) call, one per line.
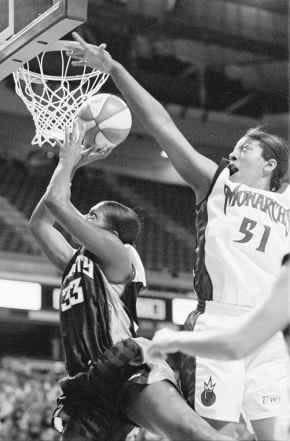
point(51, 203)
point(159, 122)
point(54, 202)
point(34, 223)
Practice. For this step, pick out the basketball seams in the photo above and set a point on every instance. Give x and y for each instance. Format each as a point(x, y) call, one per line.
point(112, 118)
point(107, 110)
point(104, 141)
point(113, 135)
point(97, 104)
point(117, 121)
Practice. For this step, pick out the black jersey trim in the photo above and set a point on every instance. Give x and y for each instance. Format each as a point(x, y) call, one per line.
point(286, 259)
point(202, 282)
point(70, 264)
point(222, 165)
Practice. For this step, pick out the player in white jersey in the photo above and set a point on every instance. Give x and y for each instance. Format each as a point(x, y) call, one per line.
point(242, 228)
point(239, 341)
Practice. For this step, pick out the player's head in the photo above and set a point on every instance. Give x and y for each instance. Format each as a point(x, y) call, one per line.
point(117, 218)
point(260, 158)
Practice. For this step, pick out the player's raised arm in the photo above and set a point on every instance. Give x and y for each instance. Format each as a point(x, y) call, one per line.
point(41, 223)
point(236, 343)
point(110, 252)
point(196, 169)
point(52, 242)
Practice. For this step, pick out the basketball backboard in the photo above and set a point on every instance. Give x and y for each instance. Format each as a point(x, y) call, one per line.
point(28, 26)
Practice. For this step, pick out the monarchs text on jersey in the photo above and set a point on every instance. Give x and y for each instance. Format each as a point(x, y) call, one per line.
point(242, 235)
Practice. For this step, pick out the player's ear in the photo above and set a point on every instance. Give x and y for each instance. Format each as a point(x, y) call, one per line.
point(270, 165)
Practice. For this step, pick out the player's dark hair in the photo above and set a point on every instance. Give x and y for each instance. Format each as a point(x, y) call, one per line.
point(273, 147)
point(122, 219)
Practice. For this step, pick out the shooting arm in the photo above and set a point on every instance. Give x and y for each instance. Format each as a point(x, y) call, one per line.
point(196, 169)
point(52, 242)
point(108, 249)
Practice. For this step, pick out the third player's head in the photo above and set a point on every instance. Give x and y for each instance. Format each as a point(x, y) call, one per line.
point(260, 160)
point(117, 218)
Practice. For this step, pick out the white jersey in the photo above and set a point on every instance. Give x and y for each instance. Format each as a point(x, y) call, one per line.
point(120, 323)
point(242, 235)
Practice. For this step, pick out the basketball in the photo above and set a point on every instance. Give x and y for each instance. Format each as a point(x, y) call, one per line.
point(112, 117)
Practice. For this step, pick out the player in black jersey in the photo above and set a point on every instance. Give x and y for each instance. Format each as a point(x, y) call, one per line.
point(237, 343)
point(98, 314)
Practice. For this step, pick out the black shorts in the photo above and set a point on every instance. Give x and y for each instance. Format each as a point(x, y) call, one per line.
point(88, 423)
point(94, 402)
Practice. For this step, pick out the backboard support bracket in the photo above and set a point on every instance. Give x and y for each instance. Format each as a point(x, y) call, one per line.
point(60, 19)
point(9, 30)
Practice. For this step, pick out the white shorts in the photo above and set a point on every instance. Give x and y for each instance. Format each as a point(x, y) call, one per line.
point(256, 385)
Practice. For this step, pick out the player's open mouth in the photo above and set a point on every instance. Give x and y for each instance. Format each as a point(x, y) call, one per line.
point(233, 168)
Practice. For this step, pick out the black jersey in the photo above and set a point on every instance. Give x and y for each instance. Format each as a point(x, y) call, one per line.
point(84, 311)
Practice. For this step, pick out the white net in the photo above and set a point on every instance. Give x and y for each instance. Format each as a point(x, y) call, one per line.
point(54, 100)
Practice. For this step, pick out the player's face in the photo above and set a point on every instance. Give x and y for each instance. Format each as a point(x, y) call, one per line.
point(247, 164)
point(96, 216)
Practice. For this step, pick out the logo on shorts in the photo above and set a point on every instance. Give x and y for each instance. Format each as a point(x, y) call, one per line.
point(271, 399)
point(208, 396)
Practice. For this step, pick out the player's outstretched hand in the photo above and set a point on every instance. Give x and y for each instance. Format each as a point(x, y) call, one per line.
point(85, 54)
point(163, 342)
point(92, 155)
point(71, 150)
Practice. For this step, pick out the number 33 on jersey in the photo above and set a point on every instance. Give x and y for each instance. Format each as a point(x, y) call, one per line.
point(72, 291)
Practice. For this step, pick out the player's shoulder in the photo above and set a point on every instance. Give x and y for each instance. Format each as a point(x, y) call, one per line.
point(220, 177)
point(138, 270)
point(282, 195)
point(284, 189)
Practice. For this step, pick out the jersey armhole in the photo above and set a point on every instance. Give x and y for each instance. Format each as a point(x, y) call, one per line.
point(132, 274)
point(69, 264)
point(222, 165)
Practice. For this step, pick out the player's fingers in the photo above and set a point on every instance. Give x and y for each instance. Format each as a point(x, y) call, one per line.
point(67, 136)
point(74, 50)
point(77, 55)
point(58, 143)
point(103, 149)
point(96, 155)
point(88, 125)
point(102, 46)
point(79, 39)
point(76, 131)
point(87, 151)
point(79, 63)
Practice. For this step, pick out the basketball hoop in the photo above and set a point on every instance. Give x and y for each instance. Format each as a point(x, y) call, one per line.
point(54, 100)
